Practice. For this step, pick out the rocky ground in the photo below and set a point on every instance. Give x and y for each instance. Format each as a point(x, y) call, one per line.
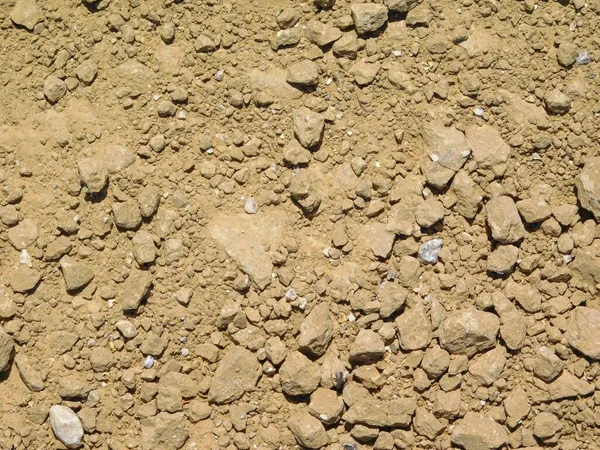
point(270, 224)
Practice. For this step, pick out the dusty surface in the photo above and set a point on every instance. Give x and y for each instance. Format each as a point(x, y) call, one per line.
point(271, 224)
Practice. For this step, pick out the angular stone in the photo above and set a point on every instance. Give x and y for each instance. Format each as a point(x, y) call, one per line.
point(378, 413)
point(414, 329)
point(503, 259)
point(135, 288)
point(583, 331)
point(7, 348)
point(308, 127)
point(316, 331)
point(566, 385)
point(308, 431)
point(488, 367)
point(402, 6)
point(468, 194)
point(321, 34)
point(24, 279)
point(566, 54)
point(513, 324)
point(546, 425)
point(379, 240)
point(57, 248)
point(127, 214)
point(86, 72)
point(364, 73)
point(23, 235)
point(303, 73)
point(557, 102)
point(429, 212)
point(326, 405)
point(546, 365)
point(93, 174)
point(588, 186)
point(445, 150)
point(299, 375)
point(367, 348)
point(144, 250)
point(29, 374)
point(294, 154)
point(27, 14)
point(516, 406)
point(478, 432)
point(489, 150)
point(238, 372)
point(425, 424)
point(66, 426)
point(368, 17)
point(164, 431)
point(62, 341)
point(73, 387)
point(304, 192)
point(54, 89)
point(503, 220)
point(76, 275)
point(534, 210)
point(468, 332)
point(149, 200)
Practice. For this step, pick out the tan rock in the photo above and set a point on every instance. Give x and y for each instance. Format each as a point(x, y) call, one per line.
point(503, 259)
point(429, 212)
point(401, 5)
point(135, 288)
point(504, 220)
point(379, 240)
point(321, 34)
point(308, 431)
point(425, 424)
point(566, 385)
point(308, 126)
point(546, 365)
point(513, 324)
point(238, 372)
point(534, 210)
point(488, 367)
point(489, 149)
point(588, 186)
point(557, 102)
point(378, 413)
point(468, 194)
point(583, 332)
point(367, 348)
point(414, 329)
point(469, 331)
point(127, 214)
point(299, 375)
point(7, 347)
point(435, 361)
point(364, 73)
point(368, 17)
point(23, 235)
point(76, 275)
point(326, 406)
point(303, 73)
point(164, 431)
point(478, 432)
point(316, 331)
point(516, 406)
point(24, 279)
point(546, 425)
point(27, 14)
point(93, 174)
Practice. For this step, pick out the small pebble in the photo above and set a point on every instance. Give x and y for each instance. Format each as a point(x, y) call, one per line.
point(219, 75)
point(429, 251)
point(251, 207)
point(583, 58)
point(148, 362)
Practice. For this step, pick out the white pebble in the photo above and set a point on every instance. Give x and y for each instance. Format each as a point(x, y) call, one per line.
point(251, 207)
point(148, 362)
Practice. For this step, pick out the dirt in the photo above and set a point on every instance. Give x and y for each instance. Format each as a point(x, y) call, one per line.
point(274, 224)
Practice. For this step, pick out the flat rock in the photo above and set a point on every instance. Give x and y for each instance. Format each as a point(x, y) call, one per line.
point(273, 81)
point(583, 331)
point(414, 329)
point(426, 424)
point(516, 406)
point(490, 151)
point(135, 288)
point(299, 375)
point(7, 347)
point(24, 279)
point(316, 331)
point(23, 235)
point(27, 14)
point(367, 348)
point(294, 154)
point(546, 365)
point(504, 220)
point(503, 259)
point(93, 174)
point(308, 126)
point(364, 73)
point(445, 150)
point(308, 431)
point(66, 426)
point(379, 240)
point(54, 89)
point(566, 385)
point(75, 274)
point(127, 214)
point(30, 376)
point(61, 341)
point(469, 331)
point(513, 324)
point(144, 249)
point(534, 210)
point(588, 186)
point(468, 194)
point(402, 6)
point(478, 432)
point(379, 413)
point(488, 367)
point(238, 372)
point(245, 239)
point(303, 73)
point(368, 17)
point(321, 34)
point(165, 431)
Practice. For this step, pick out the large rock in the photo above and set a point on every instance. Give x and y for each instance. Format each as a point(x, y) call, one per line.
point(76, 275)
point(445, 150)
point(93, 174)
point(414, 329)
point(468, 332)
point(238, 372)
point(373, 412)
point(368, 17)
point(503, 220)
point(478, 432)
point(588, 186)
point(27, 14)
point(66, 426)
point(321, 34)
point(164, 432)
point(54, 89)
point(316, 331)
point(490, 151)
point(308, 430)
point(299, 375)
point(303, 73)
point(308, 126)
point(583, 332)
point(135, 288)
point(245, 238)
point(23, 235)
point(402, 6)
point(367, 348)
point(7, 348)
